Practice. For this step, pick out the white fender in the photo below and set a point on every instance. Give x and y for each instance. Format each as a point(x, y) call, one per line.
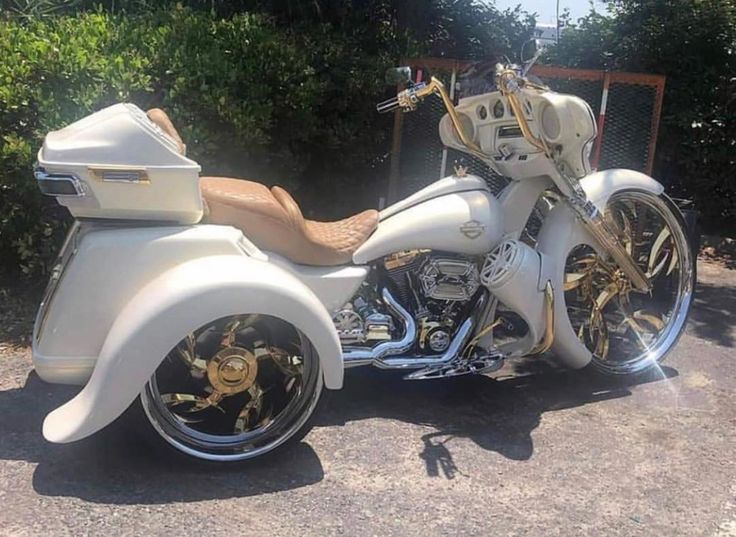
point(561, 232)
point(175, 303)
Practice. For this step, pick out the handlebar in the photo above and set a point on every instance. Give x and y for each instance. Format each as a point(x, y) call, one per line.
point(389, 105)
point(510, 83)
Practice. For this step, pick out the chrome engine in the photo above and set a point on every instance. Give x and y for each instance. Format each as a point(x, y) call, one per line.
point(434, 289)
point(449, 279)
point(361, 322)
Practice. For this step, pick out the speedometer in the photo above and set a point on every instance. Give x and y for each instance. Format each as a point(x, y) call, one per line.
point(498, 109)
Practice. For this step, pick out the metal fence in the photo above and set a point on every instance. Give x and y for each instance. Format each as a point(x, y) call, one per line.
point(627, 106)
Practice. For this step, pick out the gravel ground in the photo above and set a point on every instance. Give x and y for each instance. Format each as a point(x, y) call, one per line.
point(534, 451)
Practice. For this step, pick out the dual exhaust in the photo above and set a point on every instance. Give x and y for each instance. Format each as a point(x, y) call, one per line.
point(392, 354)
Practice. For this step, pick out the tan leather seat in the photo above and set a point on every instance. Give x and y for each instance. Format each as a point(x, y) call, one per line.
point(160, 118)
point(273, 221)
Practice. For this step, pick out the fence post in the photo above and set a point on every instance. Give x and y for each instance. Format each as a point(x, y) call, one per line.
point(601, 122)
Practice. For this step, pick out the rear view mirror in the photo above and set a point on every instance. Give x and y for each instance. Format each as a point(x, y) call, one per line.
point(530, 52)
point(398, 75)
point(528, 49)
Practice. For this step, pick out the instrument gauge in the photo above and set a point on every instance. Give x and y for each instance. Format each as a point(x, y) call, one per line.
point(498, 109)
point(482, 112)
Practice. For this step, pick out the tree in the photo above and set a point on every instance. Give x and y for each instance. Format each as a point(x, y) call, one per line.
point(693, 43)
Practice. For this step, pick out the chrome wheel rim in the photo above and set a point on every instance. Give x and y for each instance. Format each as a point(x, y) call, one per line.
point(234, 389)
point(628, 331)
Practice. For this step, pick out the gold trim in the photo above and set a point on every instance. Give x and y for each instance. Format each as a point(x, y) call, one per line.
point(468, 349)
point(107, 174)
point(549, 331)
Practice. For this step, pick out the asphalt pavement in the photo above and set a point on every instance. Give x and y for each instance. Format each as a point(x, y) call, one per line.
point(535, 451)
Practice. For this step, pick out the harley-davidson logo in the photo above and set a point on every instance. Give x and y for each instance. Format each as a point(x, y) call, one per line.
point(472, 229)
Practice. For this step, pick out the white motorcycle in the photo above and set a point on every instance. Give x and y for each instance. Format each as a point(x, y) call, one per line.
point(219, 312)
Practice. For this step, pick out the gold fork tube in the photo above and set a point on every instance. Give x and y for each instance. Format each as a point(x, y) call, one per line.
point(436, 87)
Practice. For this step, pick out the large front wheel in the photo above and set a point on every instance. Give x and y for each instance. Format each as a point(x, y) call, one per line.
point(629, 332)
point(234, 389)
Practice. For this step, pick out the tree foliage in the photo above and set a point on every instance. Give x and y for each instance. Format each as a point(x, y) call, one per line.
point(693, 43)
point(278, 91)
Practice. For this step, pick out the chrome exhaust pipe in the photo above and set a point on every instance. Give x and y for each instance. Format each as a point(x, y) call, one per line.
point(356, 356)
point(384, 355)
point(417, 362)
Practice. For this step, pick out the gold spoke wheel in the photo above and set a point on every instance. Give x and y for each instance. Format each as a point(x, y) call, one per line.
point(628, 331)
point(234, 388)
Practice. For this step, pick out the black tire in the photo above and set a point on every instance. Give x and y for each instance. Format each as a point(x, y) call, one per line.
point(136, 423)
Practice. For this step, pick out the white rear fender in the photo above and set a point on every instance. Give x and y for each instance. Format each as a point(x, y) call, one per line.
point(561, 232)
point(174, 304)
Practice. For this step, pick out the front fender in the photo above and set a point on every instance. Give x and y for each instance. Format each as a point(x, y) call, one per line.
point(561, 232)
point(174, 304)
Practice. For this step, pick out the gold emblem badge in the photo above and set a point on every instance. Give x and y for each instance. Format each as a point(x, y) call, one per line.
point(460, 170)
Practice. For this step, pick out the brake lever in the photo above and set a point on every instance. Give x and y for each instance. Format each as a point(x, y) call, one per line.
point(389, 105)
point(407, 100)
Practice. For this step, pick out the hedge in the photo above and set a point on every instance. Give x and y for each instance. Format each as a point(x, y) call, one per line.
point(250, 99)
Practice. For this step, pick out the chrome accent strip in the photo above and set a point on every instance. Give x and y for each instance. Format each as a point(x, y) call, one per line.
point(67, 252)
point(116, 174)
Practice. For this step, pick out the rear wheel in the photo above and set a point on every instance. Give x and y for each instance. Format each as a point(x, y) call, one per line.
point(628, 331)
point(234, 389)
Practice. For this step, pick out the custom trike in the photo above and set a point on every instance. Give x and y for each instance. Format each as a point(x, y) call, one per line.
point(217, 310)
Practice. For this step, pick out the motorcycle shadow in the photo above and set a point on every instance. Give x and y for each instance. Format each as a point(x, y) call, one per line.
point(498, 414)
point(114, 467)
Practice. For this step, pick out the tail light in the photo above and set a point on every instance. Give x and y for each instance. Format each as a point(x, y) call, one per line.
point(59, 184)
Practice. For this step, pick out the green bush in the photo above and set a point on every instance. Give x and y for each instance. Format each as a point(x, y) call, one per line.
point(249, 101)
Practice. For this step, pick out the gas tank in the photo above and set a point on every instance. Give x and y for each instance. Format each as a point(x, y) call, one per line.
point(451, 216)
